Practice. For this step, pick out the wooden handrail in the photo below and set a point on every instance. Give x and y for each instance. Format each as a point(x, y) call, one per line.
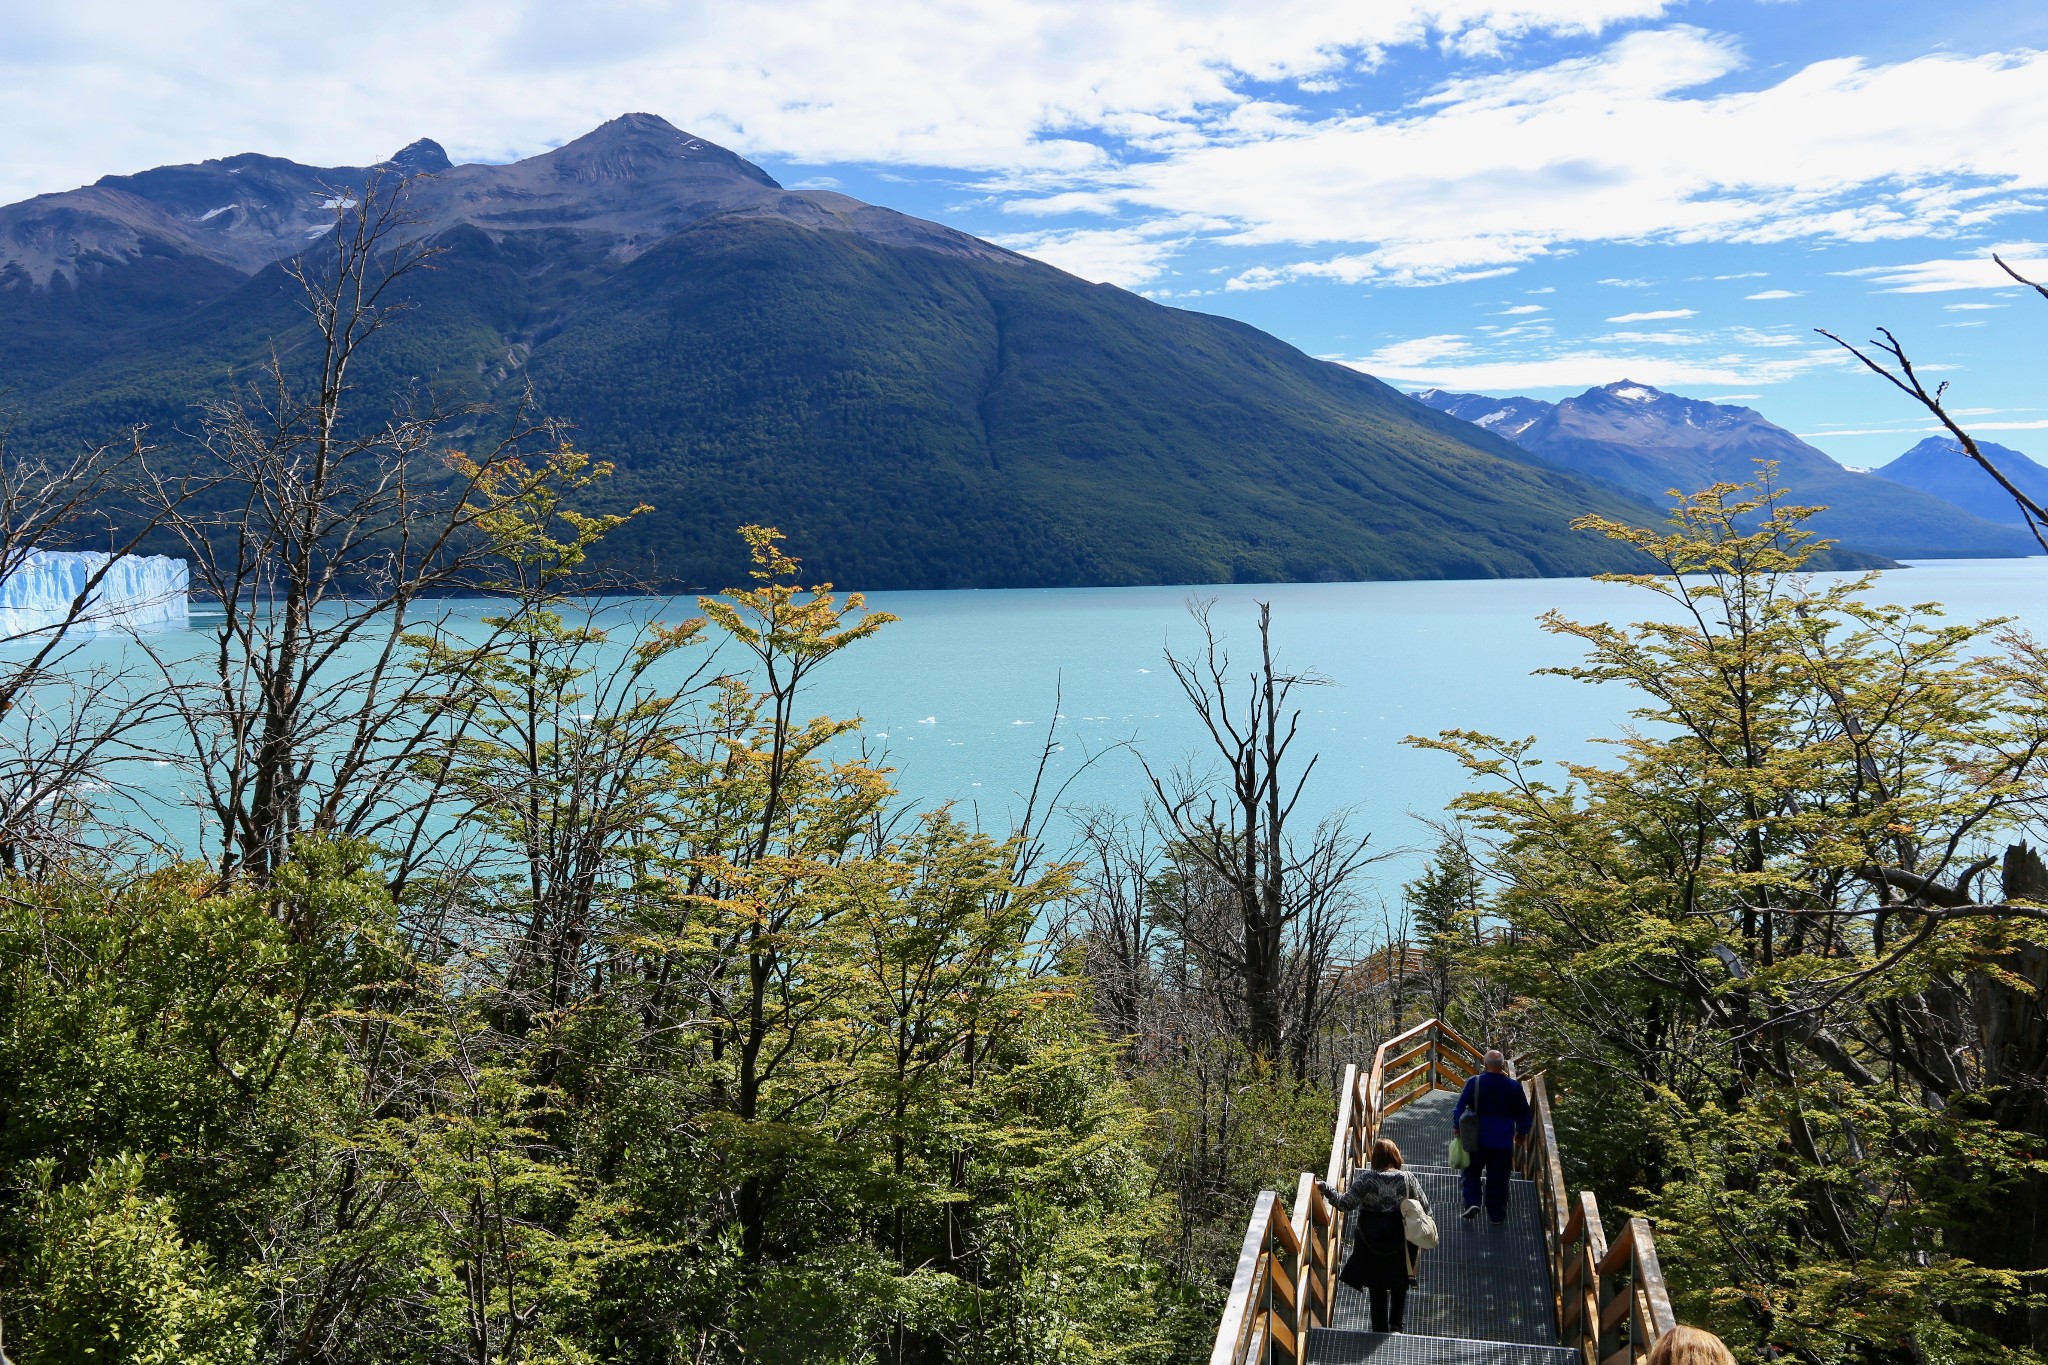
point(1347, 1099)
point(1609, 1300)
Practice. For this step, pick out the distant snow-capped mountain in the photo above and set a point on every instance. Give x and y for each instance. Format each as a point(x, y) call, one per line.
point(1508, 417)
point(1642, 441)
point(1938, 466)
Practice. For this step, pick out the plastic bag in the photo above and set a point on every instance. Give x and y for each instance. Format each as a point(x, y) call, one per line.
point(1459, 1157)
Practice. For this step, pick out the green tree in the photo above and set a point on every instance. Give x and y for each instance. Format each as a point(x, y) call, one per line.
point(111, 1278)
point(1739, 937)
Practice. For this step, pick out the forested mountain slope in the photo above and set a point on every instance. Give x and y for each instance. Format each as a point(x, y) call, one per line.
point(915, 407)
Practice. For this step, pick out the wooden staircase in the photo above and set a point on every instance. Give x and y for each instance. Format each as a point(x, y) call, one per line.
point(1543, 1288)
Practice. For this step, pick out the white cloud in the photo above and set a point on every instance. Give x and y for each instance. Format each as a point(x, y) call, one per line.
point(1122, 256)
point(1974, 427)
point(1010, 86)
point(1657, 338)
point(1152, 109)
point(1745, 275)
point(1774, 294)
point(1488, 173)
point(1968, 307)
point(1655, 315)
point(1627, 284)
point(1403, 356)
point(1445, 366)
point(1519, 310)
point(1975, 271)
point(1752, 336)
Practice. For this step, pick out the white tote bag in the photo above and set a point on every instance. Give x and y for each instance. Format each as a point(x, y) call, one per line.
point(1417, 1224)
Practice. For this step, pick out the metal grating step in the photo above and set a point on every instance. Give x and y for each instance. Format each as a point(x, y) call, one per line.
point(1422, 1169)
point(1422, 1128)
point(1327, 1346)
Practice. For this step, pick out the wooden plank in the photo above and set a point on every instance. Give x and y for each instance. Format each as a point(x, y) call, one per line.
point(1395, 1085)
point(1283, 1231)
point(1596, 1235)
point(1650, 1275)
point(1306, 1236)
point(1282, 1334)
point(1616, 1310)
point(1340, 1140)
point(1238, 1317)
point(1620, 1255)
point(1461, 1042)
point(1624, 1356)
point(1282, 1283)
point(1419, 1050)
point(1545, 1128)
point(1425, 1026)
point(1574, 1227)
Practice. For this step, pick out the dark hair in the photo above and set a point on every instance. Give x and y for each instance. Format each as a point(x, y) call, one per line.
point(1385, 1155)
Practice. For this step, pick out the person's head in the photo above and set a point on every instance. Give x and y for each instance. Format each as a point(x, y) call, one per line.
point(1690, 1346)
point(1496, 1062)
point(1385, 1155)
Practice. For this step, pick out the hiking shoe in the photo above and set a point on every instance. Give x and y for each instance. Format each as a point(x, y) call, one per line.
point(1471, 1211)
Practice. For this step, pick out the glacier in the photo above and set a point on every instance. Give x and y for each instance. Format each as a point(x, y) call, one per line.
point(138, 590)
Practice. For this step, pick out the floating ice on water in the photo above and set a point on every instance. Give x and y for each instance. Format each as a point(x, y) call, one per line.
point(137, 590)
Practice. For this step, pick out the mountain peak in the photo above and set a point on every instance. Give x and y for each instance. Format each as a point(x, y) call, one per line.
point(633, 146)
point(1630, 392)
point(424, 157)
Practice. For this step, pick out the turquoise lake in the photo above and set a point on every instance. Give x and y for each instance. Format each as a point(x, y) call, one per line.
point(958, 695)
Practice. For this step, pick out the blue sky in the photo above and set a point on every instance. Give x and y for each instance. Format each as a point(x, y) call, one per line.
point(1504, 195)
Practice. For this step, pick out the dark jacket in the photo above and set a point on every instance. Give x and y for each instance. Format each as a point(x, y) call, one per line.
point(1502, 1108)
point(1379, 1247)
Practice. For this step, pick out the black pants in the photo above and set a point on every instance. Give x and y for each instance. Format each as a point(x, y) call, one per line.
point(1496, 1164)
point(1389, 1303)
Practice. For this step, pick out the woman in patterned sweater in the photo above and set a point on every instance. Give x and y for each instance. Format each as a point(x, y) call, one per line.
point(1381, 1261)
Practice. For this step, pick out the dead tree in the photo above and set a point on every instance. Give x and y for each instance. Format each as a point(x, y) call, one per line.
point(1261, 909)
point(321, 532)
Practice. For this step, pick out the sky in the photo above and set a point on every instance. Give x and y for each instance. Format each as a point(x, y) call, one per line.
point(1503, 196)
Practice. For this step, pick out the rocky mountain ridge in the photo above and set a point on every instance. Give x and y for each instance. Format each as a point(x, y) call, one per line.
point(1642, 441)
point(1937, 465)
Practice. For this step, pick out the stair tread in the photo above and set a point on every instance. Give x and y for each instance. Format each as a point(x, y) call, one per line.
point(1336, 1346)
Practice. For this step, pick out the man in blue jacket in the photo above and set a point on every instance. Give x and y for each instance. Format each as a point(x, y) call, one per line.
point(1496, 1100)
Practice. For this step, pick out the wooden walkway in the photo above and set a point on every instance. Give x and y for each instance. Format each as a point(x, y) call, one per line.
point(1483, 1281)
point(1542, 1287)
